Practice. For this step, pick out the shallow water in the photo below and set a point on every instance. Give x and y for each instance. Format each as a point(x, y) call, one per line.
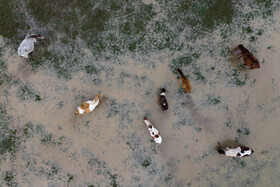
point(44, 144)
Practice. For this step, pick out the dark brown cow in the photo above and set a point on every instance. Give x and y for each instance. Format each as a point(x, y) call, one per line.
point(162, 100)
point(249, 59)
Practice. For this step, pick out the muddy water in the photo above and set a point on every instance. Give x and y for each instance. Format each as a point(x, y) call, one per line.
point(112, 146)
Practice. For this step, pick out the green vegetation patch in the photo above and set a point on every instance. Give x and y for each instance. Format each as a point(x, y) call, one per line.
point(11, 138)
point(113, 179)
point(244, 131)
point(8, 142)
point(199, 75)
point(38, 58)
point(214, 100)
point(268, 7)
point(47, 11)
point(146, 162)
point(70, 178)
point(93, 25)
point(239, 80)
point(239, 161)
point(3, 76)
point(9, 178)
point(11, 20)
point(168, 178)
point(50, 139)
point(91, 69)
point(50, 169)
point(202, 15)
point(214, 13)
point(180, 62)
point(127, 78)
point(64, 65)
point(25, 92)
point(8, 136)
point(86, 19)
point(228, 123)
point(121, 110)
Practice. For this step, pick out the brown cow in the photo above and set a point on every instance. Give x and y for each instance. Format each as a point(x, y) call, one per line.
point(248, 58)
point(185, 82)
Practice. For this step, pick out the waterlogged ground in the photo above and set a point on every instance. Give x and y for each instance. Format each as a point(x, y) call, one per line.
point(128, 50)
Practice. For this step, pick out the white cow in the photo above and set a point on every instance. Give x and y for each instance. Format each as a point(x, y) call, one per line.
point(27, 45)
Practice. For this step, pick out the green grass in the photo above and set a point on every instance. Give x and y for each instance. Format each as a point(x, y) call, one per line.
point(25, 92)
point(268, 7)
point(3, 76)
point(70, 178)
point(199, 75)
point(168, 178)
point(9, 178)
point(8, 142)
point(228, 123)
point(146, 162)
point(214, 13)
point(48, 139)
point(180, 62)
point(214, 101)
point(8, 136)
point(11, 20)
point(40, 56)
point(243, 131)
point(94, 24)
point(113, 179)
point(11, 138)
point(239, 80)
point(27, 129)
point(46, 11)
point(239, 161)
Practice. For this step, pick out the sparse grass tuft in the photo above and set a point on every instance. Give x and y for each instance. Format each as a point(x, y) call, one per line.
point(214, 101)
point(25, 92)
point(70, 178)
point(243, 131)
point(90, 69)
point(8, 142)
point(168, 178)
point(146, 163)
point(180, 62)
point(239, 161)
point(113, 179)
point(199, 76)
point(9, 178)
point(238, 80)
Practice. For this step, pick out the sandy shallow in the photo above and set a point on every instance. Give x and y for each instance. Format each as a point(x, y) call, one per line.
point(111, 146)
